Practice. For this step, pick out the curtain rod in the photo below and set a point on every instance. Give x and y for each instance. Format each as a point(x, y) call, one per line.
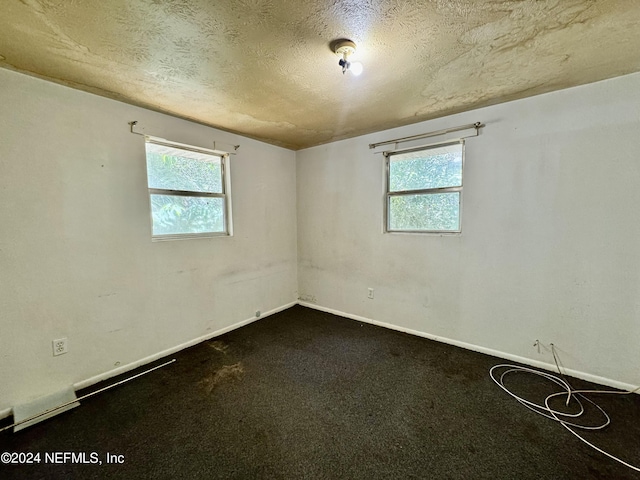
point(135, 122)
point(476, 125)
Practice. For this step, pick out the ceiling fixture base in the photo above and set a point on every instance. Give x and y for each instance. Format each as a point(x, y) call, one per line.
point(345, 47)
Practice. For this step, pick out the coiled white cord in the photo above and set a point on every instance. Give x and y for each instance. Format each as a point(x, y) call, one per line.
point(561, 417)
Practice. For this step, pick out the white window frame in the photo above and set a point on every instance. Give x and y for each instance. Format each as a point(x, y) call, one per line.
point(225, 194)
point(427, 191)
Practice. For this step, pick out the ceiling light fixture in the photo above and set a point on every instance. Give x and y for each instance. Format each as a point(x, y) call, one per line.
point(346, 48)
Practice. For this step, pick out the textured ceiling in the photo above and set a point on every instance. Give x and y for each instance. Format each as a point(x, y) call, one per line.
point(264, 68)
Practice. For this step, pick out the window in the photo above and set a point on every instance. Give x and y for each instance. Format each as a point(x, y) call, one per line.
point(187, 191)
point(424, 189)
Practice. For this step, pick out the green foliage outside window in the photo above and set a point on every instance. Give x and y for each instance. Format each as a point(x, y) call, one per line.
point(424, 172)
point(431, 212)
point(196, 173)
point(172, 168)
point(176, 214)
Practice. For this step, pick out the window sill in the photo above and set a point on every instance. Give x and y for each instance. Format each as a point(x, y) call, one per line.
point(187, 236)
point(418, 232)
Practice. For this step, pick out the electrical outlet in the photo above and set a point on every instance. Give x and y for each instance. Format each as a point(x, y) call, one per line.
point(60, 346)
point(369, 292)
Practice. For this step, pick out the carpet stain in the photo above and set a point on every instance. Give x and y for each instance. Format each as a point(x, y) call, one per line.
point(532, 433)
point(461, 369)
point(225, 374)
point(595, 473)
point(219, 346)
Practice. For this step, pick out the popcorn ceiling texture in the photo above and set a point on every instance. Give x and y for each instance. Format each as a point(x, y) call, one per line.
point(263, 68)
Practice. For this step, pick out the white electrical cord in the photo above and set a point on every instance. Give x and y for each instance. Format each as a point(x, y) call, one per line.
point(54, 409)
point(561, 417)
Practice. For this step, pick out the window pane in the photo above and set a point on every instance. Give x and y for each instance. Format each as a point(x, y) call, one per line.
point(176, 214)
point(432, 168)
point(176, 169)
point(437, 211)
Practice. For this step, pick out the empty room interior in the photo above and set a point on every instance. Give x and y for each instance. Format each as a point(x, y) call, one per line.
point(320, 239)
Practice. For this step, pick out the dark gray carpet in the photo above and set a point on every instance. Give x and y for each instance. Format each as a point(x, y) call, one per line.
point(305, 394)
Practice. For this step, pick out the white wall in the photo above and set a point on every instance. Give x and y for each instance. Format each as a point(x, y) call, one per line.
point(550, 248)
point(76, 257)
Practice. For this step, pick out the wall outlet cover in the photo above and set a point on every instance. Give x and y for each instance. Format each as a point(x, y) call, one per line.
point(60, 346)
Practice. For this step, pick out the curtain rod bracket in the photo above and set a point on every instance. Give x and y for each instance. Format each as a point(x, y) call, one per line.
point(133, 124)
point(235, 147)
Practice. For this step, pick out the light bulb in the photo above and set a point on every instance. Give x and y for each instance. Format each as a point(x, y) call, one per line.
point(355, 68)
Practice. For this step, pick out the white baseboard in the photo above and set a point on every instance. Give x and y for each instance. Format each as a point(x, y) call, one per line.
point(496, 353)
point(526, 361)
point(151, 358)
